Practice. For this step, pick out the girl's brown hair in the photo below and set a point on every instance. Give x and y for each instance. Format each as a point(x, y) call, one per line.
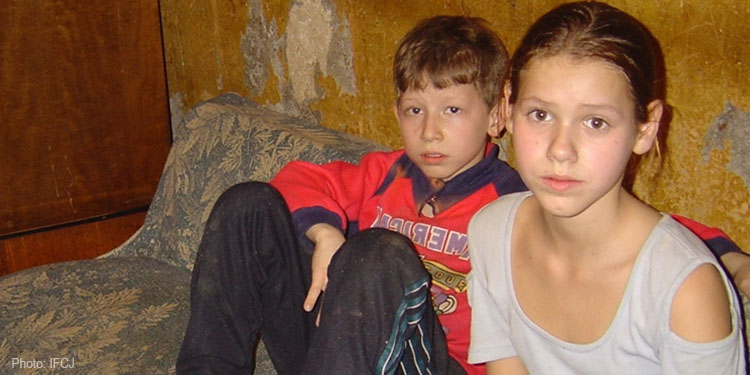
point(593, 30)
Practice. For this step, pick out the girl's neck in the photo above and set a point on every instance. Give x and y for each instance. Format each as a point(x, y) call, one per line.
point(600, 229)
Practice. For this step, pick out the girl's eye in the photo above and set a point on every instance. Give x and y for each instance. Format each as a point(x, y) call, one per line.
point(414, 111)
point(595, 123)
point(540, 115)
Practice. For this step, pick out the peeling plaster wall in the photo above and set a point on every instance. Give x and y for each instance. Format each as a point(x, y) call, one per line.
point(730, 132)
point(330, 61)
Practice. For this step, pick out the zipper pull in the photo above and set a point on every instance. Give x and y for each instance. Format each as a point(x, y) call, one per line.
point(428, 210)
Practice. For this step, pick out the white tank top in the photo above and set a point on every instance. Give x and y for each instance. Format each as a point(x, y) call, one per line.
point(638, 341)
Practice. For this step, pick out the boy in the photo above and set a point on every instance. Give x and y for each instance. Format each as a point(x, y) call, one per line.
point(268, 250)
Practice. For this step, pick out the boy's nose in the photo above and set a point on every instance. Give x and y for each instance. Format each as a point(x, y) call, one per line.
point(562, 145)
point(431, 130)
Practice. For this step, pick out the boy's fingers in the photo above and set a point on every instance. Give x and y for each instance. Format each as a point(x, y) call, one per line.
point(317, 287)
point(312, 296)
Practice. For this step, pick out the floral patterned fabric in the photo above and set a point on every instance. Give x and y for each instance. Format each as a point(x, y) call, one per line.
point(105, 316)
point(222, 142)
point(126, 312)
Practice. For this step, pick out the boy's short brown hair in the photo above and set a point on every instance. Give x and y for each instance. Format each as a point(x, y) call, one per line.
point(450, 50)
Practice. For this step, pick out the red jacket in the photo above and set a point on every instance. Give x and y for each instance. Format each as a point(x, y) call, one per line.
point(387, 190)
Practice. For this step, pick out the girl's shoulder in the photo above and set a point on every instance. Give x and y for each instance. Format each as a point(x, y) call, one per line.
point(501, 209)
point(674, 240)
point(492, 225)
point(669, 255)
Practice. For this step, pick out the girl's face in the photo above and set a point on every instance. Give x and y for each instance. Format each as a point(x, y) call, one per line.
point(574, 130)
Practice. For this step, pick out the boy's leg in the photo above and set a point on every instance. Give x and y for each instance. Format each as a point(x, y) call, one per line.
point(377, 314)
point(249, 277)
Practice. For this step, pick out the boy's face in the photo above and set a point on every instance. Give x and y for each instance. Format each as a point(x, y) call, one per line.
point(445, 130)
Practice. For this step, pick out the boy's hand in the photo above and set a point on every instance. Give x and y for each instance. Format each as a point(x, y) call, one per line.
point(328, 240)
point(738, 266)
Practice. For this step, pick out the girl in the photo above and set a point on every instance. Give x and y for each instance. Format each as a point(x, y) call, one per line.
point(578, 276)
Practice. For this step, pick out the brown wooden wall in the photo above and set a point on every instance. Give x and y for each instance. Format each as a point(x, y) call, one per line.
point(84, 115)
point(84, 120)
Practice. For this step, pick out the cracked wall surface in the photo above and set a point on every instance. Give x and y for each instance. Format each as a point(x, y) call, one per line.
point(730, 132)
point(330, 61)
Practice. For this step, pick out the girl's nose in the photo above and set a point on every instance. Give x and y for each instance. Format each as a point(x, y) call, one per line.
point(562, 145)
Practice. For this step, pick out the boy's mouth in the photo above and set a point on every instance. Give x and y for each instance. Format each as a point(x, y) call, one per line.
point(433, 157)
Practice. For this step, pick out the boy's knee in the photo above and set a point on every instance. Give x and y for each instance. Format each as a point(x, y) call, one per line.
point(377, 261)
point(246, 192)
point(382, 241)
point(385, 250)
point(249, 198)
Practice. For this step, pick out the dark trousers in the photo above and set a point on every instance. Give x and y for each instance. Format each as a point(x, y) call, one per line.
point(251, 275)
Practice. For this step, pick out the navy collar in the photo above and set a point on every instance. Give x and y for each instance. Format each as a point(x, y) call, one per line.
point(441, 196)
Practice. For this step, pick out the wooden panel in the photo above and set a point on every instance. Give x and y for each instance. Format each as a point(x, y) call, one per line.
point(84, 124)
point(83, 241)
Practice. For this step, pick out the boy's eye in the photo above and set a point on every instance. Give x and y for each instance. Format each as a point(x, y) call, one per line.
point(414, 110)
point(595, 123)
point(540, 115)
point(453, 110)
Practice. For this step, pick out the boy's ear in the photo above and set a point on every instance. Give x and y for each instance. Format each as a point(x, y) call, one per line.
point(495, 126)
point(395, 111)
point(648, 131)
point(506, 109)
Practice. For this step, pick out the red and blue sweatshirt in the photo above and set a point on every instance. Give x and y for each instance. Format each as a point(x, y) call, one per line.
point(387, 190)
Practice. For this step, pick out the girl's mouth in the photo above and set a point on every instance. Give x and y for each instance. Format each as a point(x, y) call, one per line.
point(560, 183)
